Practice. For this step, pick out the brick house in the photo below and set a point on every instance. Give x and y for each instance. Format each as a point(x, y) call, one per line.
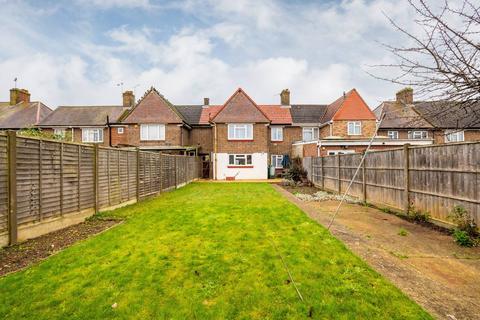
point(436, 121)
point(20, 112)
point(344, 126)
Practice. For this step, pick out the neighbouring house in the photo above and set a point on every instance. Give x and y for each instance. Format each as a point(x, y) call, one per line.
point(347, 125)
point(86, 124)
point(436, 121)
point(154, 123)
point(20, 112)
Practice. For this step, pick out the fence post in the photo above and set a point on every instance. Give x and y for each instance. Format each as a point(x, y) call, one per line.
point(78, 169)
point(95, 176)
point(406, 177)
point(175, 169)
point(12, 188)
point(108, 177)
point(61, 178)
point(364, 181)
point(322, 172)
point(338, 174)
point(138, 174)
point(40, 157)
point(160, 157)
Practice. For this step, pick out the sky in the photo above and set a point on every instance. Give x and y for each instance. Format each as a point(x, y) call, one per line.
point(77, 52)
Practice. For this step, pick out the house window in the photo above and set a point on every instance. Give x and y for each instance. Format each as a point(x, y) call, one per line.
point(393, 134)
point(454, 136)
point(92, 134)
point(310, 133)
point(277, 161)
point(120, 130)
point(240, 159)
point(149, 132)
point(417, 135)
point(336, 152)
point(354, 128)
point(59, 132)
point(240, 131)
point(276, 133)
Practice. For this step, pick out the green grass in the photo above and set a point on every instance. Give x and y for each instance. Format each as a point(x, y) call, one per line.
point(205, 252)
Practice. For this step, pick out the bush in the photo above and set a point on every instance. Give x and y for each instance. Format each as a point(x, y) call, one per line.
point(466, 233)
point(39, 133)
point(417, 215)
point(296, 172)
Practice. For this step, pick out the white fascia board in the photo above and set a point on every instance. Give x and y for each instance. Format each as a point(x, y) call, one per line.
point(382, 142)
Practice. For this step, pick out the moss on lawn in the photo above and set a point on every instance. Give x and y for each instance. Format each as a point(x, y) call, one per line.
point(204, 252)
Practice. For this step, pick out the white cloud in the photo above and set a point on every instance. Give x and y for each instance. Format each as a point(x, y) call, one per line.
point(106, 4)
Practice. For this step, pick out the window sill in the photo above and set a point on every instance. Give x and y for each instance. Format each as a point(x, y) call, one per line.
point(153, 140)
point(240, 140)
point(238, 167)
point(276, 140)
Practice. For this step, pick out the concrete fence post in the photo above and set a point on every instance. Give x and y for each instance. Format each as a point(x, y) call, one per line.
point(12, 188)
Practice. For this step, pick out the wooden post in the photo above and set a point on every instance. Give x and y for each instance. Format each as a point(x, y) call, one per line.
point(175, 170)
point(61, 178)
point(40, 164)
point(312, 159)
point(128, 174)
point(95, 177)
point(323, 173)
point(160, 159)
point(12, 188)
point(118, 178)
point(79, 168)
point(138, 175)
point(406, 177)
point(338, 174)
point(108, 176)
point(364, 182)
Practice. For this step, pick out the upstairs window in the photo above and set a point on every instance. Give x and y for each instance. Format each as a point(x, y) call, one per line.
point(240, 131)
point(276, 133)
point(239, 159)
point(120, 130)
point(354, 128)
point(418, 134)
point(92, 135)
point(310, 133)
point(152, 132)
point(454, 136)
point(393, 134)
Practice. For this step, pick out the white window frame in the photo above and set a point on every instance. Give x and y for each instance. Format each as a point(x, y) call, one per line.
point(354, 128)
point(239, 157)
point(393, 134)
point(120, 130)
point(92, 135)
point(152, 132)
point(454, 136)
point(276, 133)
point(240, 131)
point(60, 132)
point(313, 131)
point(418, 134)
point(276, 161)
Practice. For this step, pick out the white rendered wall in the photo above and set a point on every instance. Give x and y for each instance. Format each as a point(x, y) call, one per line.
point(259, 170)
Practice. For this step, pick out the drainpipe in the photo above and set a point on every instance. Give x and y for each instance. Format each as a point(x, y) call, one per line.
point(214, 151)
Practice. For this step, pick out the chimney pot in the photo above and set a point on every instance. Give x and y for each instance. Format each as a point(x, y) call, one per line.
point(285, 98)
point(19, 95)
point(128, 99)
point(405, 96)
point(206, 101)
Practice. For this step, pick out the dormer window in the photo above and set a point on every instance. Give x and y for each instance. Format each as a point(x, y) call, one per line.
point(240, 131)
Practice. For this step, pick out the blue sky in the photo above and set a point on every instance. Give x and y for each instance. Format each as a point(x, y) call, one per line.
point(75, 52)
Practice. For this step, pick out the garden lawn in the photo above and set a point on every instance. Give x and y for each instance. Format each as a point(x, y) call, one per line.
point(206, 251)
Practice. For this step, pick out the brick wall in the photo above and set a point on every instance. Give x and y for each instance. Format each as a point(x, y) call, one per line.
point(203, 137)
point(258, 144)
point(77, 134)
point(290, 135)
point(175, 135)
point(340, 128)
point(310, 150)
point(403, 133)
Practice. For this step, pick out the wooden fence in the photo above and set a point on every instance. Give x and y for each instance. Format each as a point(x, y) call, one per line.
point(44, 181)
point(432, 179)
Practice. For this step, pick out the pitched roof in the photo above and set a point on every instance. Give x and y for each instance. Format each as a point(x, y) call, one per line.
point(400, 116)
point(79, 116)
point(240, 108)
point(351, 107)
point(22, 115)
point(449, 115)
point(153, 107)
point(191, 113)
point(307, 113)
point(277, 114)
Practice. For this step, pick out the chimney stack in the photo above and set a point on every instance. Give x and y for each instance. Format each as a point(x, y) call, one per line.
point(128, 99)
point(19, 95)
point(405, 96)
point(285, 98)
point(206, 102)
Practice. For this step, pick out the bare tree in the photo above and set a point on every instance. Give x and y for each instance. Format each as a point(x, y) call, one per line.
point(442, 61)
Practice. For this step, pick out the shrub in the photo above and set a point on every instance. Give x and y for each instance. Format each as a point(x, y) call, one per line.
point(466, 232)
point(296, 172)
point(417, 215)
point(39, 133)
point(402, 232)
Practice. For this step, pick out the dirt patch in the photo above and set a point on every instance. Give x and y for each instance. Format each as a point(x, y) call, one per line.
point(20, 256)
point(299, 189)
point(424, 263)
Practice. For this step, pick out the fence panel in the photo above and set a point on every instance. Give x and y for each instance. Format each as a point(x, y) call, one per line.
point(432, 179)
point(44, 180)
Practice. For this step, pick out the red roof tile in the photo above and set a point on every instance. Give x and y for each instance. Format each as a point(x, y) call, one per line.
point(209, 113)
point(277, 114)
